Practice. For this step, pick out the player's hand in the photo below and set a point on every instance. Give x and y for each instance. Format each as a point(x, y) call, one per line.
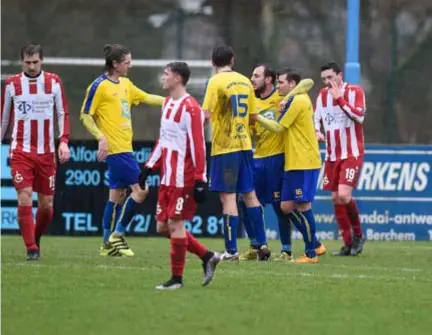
point(63, 152)
point(200, 191)
point(281, 106)
point(335, 91)
point(320, 136)
point(145, 171)
point(103, 149)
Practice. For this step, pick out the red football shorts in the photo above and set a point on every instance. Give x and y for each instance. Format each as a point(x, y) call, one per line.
point(33, 170)
point(175, 203)
point(342, 172)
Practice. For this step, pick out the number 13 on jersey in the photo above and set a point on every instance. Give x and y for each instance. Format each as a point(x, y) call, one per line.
point(239, 103)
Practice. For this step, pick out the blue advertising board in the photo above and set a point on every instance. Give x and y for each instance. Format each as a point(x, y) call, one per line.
point(394, 197)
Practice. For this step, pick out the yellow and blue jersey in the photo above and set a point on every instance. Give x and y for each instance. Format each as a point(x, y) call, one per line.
point(230, 99)
point(268, 143)
point(301, 144)
point(109, 103)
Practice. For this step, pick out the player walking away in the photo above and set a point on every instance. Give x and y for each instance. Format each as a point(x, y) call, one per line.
point(340, 109)
point(106, 114)
point(180, 155)
point(229, 102)
point(33, 95)
point(302, 160)
point(268, 161)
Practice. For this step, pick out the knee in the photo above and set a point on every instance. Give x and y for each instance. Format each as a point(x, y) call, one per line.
point(25, 197)
point(140, 195)
point(303, 207)
point(161, 228)
point(45, 204)
point(336, 199)
point(287, 207)
point(251, 199)
point(344, 198)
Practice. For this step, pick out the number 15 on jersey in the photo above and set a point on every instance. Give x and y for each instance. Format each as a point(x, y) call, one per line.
point(239, 103)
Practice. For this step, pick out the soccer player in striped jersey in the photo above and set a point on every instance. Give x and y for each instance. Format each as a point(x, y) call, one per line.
point(302, 160)
point(340, 110)
point(32, 99)
point(106, 113)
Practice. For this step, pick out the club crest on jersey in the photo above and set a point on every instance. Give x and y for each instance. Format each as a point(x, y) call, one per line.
point(269, 114)
point(240, 127)
point(18, 178)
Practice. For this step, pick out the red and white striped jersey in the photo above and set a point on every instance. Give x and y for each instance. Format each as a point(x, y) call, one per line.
point(30, 102)
point(342, 120)
point(180, 150)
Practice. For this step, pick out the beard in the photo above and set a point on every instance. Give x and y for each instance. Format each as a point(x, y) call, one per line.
point(259, 91)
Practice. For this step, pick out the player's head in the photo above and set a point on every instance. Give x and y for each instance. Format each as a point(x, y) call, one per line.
point(223, 55)
point(263, 76)
point(175, 74)
point(287, 79)
point(331, 72)
point(32, 57)
point(118, 59)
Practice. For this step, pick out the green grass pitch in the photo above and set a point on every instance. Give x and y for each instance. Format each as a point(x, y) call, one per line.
point(73, 290)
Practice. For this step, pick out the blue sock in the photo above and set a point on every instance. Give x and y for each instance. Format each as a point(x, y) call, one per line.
point(107, 219)
point(299, 222)
point(284, 223)
point(128, 211)
point(308, 221)
point(248, 224)
point(230, 233)
point(111, 214)
point(257, 217)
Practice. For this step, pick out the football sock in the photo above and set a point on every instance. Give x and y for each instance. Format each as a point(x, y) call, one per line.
point(128, 211)
point(43, 219)
point(354, 217)
point(256, 214)
point(305, 224)
point(284, 227)
point(27, 228)
point(178, 256)
point(230, 233)
point(344, 223)
point(194, 246)
point(111, 214)
point(248, 224)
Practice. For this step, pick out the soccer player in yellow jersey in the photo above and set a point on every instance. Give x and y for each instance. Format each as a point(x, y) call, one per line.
point(106, 114)
point(229, 102)
point(302, 160)
point(268, 162)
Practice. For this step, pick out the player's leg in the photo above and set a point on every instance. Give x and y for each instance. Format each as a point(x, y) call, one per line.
point(255, 210)
point(299, 188)
point(126, 172)
point(224, 172)
point(348, 177)
point(260, 189)
point(44, 215)
point(209, 258)
point(331, 180)
point(22, 170)
point(44, 185)
point(274, 179)
point(251, 252)
point(111, 214)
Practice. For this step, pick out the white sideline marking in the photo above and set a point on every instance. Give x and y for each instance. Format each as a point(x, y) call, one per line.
point(237, 272)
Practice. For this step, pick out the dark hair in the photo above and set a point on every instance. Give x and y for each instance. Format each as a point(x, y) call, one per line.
point(268, 72)
point(222, 55)
point(31, 49)
point(331, 66)
point(114, 53)
point(180, 68)
point(291, 74)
